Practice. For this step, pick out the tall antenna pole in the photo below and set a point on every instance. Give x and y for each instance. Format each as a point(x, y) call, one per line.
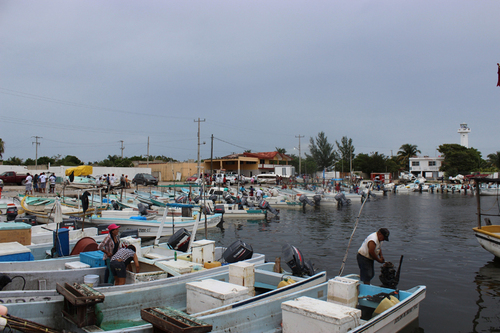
point(300, 155)
point(122, 147)
point(212, 157)
point(36, 145)
point(148, 154)
point(198, 165)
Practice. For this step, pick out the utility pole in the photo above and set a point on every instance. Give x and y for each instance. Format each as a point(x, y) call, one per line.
point(198, 165)
point(147, 164)
point(212, 158)
point(122, 147)
point(36, 145)
point(300, 155)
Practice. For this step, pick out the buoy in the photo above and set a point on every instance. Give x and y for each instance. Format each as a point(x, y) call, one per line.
point(386, 303)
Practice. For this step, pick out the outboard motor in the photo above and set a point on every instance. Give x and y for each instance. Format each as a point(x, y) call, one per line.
point(219, 209)
point(305, 200)
point(180, 240)
point(388, 275)
point(213, 197)
point(317, 199)
point(237, 251)
point(197, 199)
point(295, 260)
point(11, 213)
point(341, 199)
point(263, 204)
point(115, 205)
point(244, 201)
point(143, 209)
point(207, 210)
point(228, 198)
point(4, 280)
point(181, 199)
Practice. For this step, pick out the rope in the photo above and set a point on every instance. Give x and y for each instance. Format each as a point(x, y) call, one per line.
point(354, 230)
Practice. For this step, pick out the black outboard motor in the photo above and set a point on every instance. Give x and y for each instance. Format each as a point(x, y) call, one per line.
point(263, 204)
point(180, 240)
point(11, 213)
point(197, 199)
point(228, 198)
point(237, 251)
point(213, 197)
point(305, 200)
point(143, 209)
point(115, 205)
point(219, 209)
point(341, 199)
point(207, 210)
point(317, 199)
point(295, 260)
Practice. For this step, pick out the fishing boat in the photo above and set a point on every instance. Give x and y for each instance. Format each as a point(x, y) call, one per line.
point(157, 263)
point(122, 312)
point(488, 235)
point(322, 308)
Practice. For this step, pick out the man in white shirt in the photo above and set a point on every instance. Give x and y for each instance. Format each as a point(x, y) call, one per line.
point(370, 251)
point(28, 184)
point(43, 182)
point(52, 180)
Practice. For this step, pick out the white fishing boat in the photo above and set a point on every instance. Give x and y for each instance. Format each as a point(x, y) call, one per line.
point(238, 283)
point(158, 265)
point(488, 235)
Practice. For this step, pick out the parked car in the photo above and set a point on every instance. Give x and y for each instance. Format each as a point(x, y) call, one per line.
point(144, 179)
point(192, 179)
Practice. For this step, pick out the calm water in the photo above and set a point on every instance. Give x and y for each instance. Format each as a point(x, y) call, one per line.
point(432, 231)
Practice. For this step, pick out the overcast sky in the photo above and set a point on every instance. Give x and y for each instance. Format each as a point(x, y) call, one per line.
point(86, 75)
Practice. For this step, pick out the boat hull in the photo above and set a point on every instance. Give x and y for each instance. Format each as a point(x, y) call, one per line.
point(489, 238)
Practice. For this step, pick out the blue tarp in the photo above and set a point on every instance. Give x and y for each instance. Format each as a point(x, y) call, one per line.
point(180, 205)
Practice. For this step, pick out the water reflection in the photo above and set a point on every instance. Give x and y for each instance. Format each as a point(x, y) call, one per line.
point(488, 301)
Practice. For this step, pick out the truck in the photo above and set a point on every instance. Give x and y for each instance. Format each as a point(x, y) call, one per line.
point(13, 178)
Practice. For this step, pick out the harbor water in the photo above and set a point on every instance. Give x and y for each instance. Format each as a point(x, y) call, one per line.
point(433, 231)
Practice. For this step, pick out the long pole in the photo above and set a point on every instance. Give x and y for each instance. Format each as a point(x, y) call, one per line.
point(212, 158)
point(198, 164)
point(148, 154)
point(300, 155)
point(36, 149)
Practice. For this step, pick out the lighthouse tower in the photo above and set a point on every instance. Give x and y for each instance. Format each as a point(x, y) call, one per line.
point(464, 135)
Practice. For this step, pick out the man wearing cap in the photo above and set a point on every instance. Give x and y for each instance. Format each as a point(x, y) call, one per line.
point(110, 246)
point(370, 251)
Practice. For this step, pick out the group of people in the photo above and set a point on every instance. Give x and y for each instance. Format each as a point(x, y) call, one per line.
point(38, 183)
point(118, 257)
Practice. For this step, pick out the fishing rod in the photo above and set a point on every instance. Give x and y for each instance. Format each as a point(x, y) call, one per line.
point(355, 226)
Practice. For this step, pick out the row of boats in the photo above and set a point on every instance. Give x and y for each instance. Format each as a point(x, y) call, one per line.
point(247, 295)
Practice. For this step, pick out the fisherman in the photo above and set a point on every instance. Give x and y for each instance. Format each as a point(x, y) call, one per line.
point(28, 189)
point(110, 246)
point(370, 251)
point(52, 180)
point(259, 193)
point(120, 261)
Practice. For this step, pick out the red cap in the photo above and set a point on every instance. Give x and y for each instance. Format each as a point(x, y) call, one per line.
point(113, 227)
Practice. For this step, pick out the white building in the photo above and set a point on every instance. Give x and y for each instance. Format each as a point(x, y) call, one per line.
point(464, 135)
point(427, 167)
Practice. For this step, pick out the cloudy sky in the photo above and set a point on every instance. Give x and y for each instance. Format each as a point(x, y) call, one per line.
point(85, 75)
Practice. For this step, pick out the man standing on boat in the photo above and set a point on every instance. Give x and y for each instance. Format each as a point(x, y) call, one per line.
point(370, 251)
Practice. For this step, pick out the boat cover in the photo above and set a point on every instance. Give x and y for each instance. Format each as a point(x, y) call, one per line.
point(82, 170)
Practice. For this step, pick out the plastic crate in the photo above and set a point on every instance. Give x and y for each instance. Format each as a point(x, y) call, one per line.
point(93, 258)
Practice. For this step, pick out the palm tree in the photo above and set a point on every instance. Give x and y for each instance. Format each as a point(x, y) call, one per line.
point(2, 148)
point(494, 159)
point(405, 152)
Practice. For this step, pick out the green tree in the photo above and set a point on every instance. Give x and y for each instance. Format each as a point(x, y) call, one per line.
point(309, 166)
point(372, 163)
point(2, 148)
point(70, 160)
point(494, 159)
point(322, 152)
point(405, 152)
point(116, 161)
point(281, 150)
point(346, 152)
point(29, 161)
point(13, 161)
point(459, 159)
point(45, 160)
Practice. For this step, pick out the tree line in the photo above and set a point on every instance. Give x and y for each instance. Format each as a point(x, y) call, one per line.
point(340, 156)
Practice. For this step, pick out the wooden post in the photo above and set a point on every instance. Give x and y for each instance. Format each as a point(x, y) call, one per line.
point(478, 200)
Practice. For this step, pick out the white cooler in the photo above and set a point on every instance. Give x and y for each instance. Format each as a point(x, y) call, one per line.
point(210, 294)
